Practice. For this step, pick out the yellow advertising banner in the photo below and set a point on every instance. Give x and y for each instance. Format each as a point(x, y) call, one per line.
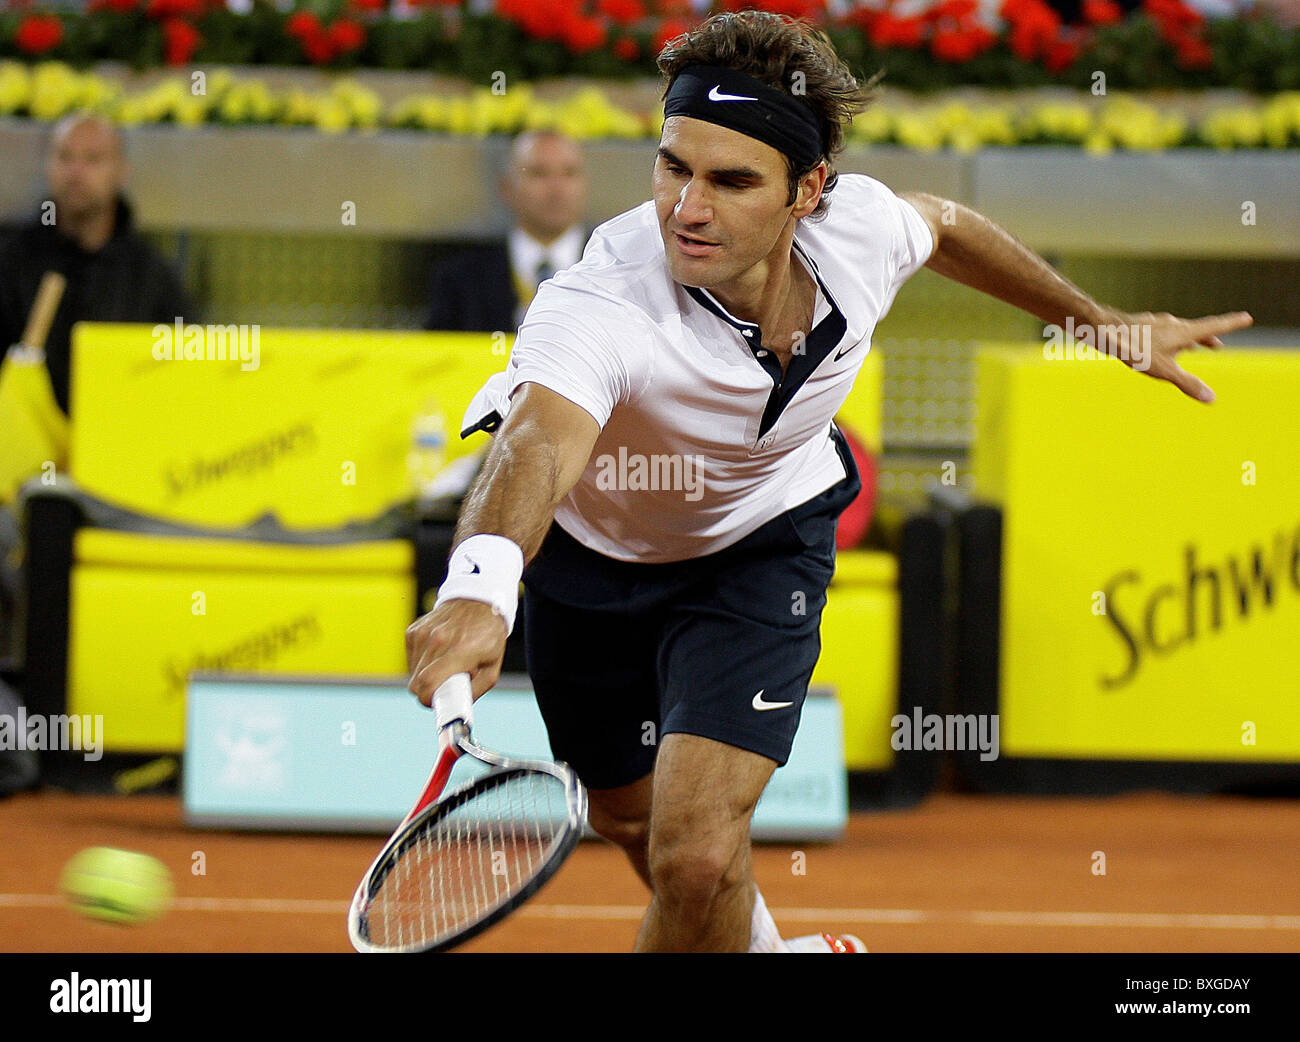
point(859, 656)
point(218, 425)
point(1151, 555)
point(148, 611)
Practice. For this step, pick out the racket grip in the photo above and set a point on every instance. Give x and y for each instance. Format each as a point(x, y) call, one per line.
point(453, 701)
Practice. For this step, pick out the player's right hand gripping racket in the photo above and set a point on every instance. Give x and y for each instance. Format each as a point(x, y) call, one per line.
point(459, 864)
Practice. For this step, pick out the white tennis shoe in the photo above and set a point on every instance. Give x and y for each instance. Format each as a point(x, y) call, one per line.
point(844, 943)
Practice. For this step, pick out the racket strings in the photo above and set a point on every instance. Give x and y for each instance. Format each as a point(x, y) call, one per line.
point(465, 863)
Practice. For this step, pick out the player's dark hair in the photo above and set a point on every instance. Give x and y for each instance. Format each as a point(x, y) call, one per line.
point(790, 55)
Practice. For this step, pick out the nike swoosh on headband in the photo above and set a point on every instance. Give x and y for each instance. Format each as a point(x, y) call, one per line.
point(716, 95)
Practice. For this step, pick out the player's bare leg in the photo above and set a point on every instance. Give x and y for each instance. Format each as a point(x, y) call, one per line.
point(700, 871)
point(622, 816)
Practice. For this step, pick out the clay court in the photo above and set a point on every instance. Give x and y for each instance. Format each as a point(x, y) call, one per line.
point(953, 874)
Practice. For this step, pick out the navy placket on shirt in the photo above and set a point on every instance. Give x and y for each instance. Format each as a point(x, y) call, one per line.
point(823, 339)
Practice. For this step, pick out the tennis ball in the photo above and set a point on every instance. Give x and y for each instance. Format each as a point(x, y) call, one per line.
point(116, 886)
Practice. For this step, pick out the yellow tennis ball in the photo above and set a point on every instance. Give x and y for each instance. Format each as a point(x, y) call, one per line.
point(116, 886)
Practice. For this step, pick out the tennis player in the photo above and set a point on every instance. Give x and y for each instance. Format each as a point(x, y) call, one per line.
point(668, 404)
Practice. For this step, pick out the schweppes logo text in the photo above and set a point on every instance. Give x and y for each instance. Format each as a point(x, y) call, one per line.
point(1207, 596)
point(256, 651)
point(242, 460)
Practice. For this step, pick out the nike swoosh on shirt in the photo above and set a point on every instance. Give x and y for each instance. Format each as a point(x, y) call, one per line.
point(761, 705)
point(716, 95)
point(843, 352)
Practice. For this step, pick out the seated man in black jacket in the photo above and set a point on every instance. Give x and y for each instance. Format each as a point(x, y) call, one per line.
point(85, 231)
point(488, 288)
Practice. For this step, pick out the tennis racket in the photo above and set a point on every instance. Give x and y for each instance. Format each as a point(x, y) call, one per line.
point(460, 863)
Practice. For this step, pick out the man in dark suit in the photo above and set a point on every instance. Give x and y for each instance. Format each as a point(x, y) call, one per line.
point(488, 288)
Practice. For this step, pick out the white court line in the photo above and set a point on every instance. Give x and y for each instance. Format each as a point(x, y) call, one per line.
point(831, 916)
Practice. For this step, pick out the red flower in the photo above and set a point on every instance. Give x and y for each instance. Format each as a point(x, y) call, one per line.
point(1102, 12)
point(1172, 11)
point(302, 24)
point(957, 10)
point(622, 12)
point(954, 45)
point(162, 9)
point(1061, 54)
point(317, 48)
point(1194, 53)
point(180, 41)
point(626, 49)
point(39, 33)
point(792, 8)
point(888, 30)
point(347, 35)
point(1035, 27)
point(669, 29)
point(540, 19)
point(367, 6)
point(581, 34)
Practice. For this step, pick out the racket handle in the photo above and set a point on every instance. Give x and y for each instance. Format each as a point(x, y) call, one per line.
point(454, 701)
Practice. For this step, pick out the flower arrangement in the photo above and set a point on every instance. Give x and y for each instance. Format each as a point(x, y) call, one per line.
point(1164, 43)
point(50, 90)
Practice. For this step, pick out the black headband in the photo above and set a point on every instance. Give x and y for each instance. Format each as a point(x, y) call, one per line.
point(740, 102)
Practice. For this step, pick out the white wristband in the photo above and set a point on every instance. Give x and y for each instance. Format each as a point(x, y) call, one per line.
point(485, 568)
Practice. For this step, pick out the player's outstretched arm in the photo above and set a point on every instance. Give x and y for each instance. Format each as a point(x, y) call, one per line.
point(975, 251)
point(536, 457)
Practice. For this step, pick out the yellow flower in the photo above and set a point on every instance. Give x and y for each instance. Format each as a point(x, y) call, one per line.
point(431, 114)
point(488, 113)
point(130, 112)
point(994, 125)
point(299, 108)
point(1235, 127)
point(949, 117)
point(1133, 124)
point(1173, 128)
point(332, 115)
point(1097, 143)
point(219, 81)
point(965, 140)
point(541, 117)
point(876, 124)
point(362, 104)
point(1060, 120)
point(918, 133)
point(15, 87)
point(55, 90)
point(190, 110)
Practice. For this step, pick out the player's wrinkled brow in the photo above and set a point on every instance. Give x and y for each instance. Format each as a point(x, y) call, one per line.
point(746, 173)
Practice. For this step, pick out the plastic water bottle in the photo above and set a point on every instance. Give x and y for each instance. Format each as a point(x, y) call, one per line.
point(428, 448)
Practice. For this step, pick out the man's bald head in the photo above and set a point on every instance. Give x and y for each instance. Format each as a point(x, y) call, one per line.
point(86, 167)
point(545, 183)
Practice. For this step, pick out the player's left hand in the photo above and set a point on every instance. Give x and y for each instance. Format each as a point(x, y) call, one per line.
point(1161, 338)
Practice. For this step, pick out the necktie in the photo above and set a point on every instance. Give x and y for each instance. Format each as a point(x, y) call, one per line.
point(544, 270)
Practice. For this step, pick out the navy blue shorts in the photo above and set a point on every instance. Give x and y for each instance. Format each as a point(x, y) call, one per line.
point(721, 646)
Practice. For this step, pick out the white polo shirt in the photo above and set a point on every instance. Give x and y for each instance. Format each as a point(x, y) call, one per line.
point(703, 440)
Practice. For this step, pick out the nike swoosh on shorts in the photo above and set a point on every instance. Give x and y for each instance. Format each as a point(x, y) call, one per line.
point(761, 705)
